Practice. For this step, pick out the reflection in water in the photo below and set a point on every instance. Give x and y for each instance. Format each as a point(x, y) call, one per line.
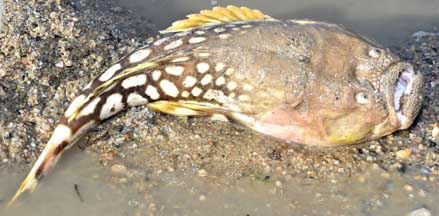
point(387, 21)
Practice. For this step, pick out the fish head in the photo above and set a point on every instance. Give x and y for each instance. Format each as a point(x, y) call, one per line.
point(356, 91)
point(377, 92)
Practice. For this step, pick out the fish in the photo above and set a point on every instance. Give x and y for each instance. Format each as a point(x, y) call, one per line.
point(301, 81)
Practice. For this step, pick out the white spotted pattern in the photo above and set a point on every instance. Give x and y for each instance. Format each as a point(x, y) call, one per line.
point(109, 72)
point(232, 85)
point(189, 81)
point(152, 92)
point(174, 70)
point(134, 81)
point(203, 67)
point(220, 81)
point(90, 107)
point(169, 88)
point(139, 55)
point(199, 32)
point(196, 91)
point(112, 106)
point(185, 94)
point(247, 87)
point(206, 79)
point(60, 134)
point(181, 59)
point(246, 26)
point(174, 44)
point(75, 105)
point(160, 41)
point(135, 99)
point(156, 75)
point(219, 67)
point(196, 40)
point(229, 71)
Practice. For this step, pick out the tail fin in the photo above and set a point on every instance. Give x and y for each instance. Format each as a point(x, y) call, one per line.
point(61, 138)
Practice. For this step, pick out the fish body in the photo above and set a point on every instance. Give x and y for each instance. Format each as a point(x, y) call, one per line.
point(298, 80)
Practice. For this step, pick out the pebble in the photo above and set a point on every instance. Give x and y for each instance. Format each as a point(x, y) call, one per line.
point(119, 169)
point(202, 198)
point(202, 173)
point(420, 212)
point(435, 131)
point(404, 154)
point(408, 188)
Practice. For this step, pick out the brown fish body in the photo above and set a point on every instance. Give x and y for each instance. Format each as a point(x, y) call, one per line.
point(298, 80)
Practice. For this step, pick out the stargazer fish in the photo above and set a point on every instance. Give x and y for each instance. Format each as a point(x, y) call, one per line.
point(302, 81)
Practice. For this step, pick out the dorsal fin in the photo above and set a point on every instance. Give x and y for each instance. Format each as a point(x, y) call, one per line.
point(217, 15)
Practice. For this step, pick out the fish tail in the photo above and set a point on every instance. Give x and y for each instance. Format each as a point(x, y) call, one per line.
point(60, 139)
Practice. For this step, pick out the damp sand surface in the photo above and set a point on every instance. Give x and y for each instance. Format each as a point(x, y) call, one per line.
point(144, 163)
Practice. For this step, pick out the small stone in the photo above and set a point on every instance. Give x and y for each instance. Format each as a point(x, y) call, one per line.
point(202, 173)
point(278, 184)
point(435, 131)
point(202, 198)
point(408, 188)
point(404, 154)
point(59, 64)
point(420, 212)
point(119, 169)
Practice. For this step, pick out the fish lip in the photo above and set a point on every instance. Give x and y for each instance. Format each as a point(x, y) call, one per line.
point(404, 89)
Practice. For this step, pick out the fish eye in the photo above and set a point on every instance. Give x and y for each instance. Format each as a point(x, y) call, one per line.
point(362, 98)
point(374, 53)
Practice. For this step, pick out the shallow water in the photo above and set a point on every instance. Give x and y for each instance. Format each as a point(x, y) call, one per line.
point(179, 193)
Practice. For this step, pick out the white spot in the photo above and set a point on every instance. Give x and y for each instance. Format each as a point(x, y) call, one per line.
point(196, 91)
point(196, 40)
point(199, 32)
point(135, 99)
point(220, 81)
point(246, 26)
point(229, 71)
point(60, 134)
point(152, 92)
point(112, 106)
point(213, 94)
point(174, 70)
point(156, 75)
point(232, 95)
point(224, 36)
point(202, 67)
point(174, 44)
point(139, 55)
point(219, 30)
point(232, 85)
point(109, 72)
point(219, 67)
point(203, 55)
point(181, 59)
point(90, 107)
point(230, 25)
point(236, 29)
point(160, 41)
point(244, 98)
point(134, 81)
point(75, 105)
point(189, 81)
point(169, 88)
point(206, 79)
point(185, 94)
point(247, 87)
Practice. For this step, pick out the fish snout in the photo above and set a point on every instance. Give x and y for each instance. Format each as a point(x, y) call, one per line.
point(403, 87)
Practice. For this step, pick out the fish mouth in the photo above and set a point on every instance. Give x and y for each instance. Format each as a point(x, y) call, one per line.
point(405, 93)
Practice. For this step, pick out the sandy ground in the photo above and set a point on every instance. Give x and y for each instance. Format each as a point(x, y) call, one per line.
point(49, 50)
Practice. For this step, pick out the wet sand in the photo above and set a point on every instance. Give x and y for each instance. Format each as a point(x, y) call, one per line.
point(145, 163)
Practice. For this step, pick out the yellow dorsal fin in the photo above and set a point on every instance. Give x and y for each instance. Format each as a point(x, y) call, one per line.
point(217, 15)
